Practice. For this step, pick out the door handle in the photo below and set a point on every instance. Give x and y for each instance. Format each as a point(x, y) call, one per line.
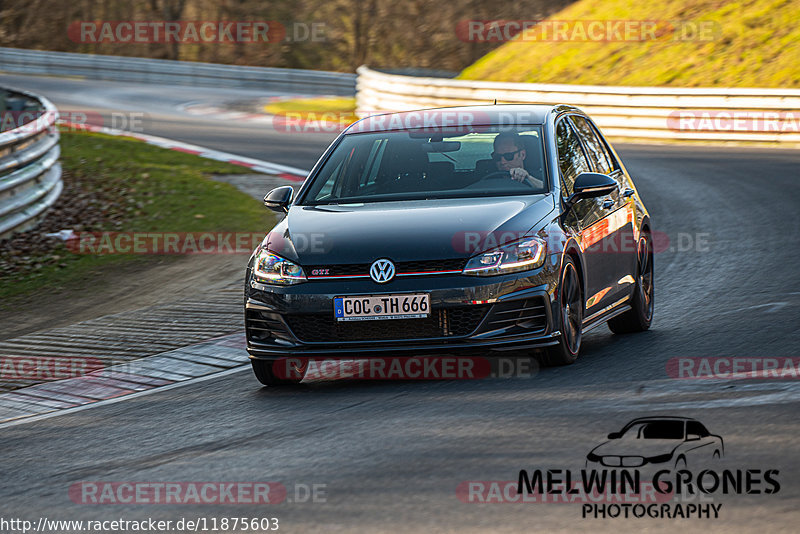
point(608, 204)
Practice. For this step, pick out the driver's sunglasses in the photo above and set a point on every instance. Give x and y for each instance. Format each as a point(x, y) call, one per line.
point(507, 155)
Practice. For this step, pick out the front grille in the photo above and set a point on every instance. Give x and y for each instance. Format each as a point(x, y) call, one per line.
point(442, 323)
point(529, 314)
point(352, 269)
point(426, 266)
point(362, 269)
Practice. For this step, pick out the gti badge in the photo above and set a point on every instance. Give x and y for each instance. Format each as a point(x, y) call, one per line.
point(381, 271)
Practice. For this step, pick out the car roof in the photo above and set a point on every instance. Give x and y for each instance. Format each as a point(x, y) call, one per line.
point(662, 418)
point(461, 116)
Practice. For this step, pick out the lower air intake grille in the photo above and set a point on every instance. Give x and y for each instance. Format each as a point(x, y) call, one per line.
point(460, 321)
point(263, 327)
point(529, 314)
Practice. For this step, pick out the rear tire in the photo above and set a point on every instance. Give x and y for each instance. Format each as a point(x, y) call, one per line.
point(570, 299)
point(265, 373)
point(639, 317)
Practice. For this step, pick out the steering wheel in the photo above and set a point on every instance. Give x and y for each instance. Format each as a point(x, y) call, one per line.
point(495, 175)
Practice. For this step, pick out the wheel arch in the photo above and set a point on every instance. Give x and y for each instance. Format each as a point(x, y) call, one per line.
point(573, 251)
point(645, 226)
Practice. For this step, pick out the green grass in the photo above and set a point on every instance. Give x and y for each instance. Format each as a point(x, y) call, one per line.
point(163, 191)
point(312, 108)
point(174, 187)
point(753, 43)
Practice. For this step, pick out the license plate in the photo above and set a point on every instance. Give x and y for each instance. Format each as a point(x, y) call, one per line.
point(380, 307)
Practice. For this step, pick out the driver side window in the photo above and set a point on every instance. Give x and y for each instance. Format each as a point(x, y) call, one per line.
point(571, 159)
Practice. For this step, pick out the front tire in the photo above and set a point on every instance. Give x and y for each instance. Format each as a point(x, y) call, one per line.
point(639, 317)
point(570, 299)
point(265, 373)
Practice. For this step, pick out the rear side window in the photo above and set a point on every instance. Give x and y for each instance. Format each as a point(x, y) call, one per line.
point(571, 158)
point(695, 427)
point(597, 151)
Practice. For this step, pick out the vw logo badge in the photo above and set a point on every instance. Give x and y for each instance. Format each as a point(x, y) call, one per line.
point(381, 271)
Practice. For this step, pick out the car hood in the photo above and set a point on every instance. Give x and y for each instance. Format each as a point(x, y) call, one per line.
point(404, 231)
point(636, 447)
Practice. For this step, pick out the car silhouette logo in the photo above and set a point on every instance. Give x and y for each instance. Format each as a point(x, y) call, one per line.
point(381, 271)
point(671, 442)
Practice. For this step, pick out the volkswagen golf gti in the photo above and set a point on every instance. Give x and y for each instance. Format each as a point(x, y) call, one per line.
point(465, 231)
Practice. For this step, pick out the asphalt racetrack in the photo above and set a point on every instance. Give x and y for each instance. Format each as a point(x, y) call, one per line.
point(394, 456)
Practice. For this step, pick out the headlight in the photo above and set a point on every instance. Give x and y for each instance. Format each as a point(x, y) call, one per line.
point(592, 457)
point(520, 256)
point(272, 269)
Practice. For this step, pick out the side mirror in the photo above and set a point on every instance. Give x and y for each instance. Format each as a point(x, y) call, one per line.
point(279, 198)
point(591, 185)
point(614, 435)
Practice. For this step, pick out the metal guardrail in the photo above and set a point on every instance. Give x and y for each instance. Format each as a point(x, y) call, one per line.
point(652, 113)
point(167, 72)
point(30, 174)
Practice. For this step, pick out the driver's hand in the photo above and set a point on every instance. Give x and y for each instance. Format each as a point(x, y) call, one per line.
point(519, 174)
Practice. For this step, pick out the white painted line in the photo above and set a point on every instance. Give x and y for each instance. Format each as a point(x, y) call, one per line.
point(735, 402)
point(771, 308)
point(115, 400)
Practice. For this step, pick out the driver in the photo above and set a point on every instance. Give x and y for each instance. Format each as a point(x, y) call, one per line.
point(509, 155)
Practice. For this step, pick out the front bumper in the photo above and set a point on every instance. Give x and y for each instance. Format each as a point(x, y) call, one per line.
point(469, 315)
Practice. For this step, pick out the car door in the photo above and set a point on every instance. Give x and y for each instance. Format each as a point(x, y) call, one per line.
point(585, 218)
point(615, 245)
point(626, 199)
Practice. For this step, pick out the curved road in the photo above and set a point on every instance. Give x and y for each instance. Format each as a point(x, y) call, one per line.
point(391, 454)
point(163, 110)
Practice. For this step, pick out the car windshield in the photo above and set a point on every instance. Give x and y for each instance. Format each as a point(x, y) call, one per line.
point(417, 165)
point(656, 430)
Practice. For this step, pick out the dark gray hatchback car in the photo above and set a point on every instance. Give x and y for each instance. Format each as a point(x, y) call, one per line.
point(458, 230)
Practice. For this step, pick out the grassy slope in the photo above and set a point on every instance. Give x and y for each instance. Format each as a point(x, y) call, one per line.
point(166, 191)
point(757, 45)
